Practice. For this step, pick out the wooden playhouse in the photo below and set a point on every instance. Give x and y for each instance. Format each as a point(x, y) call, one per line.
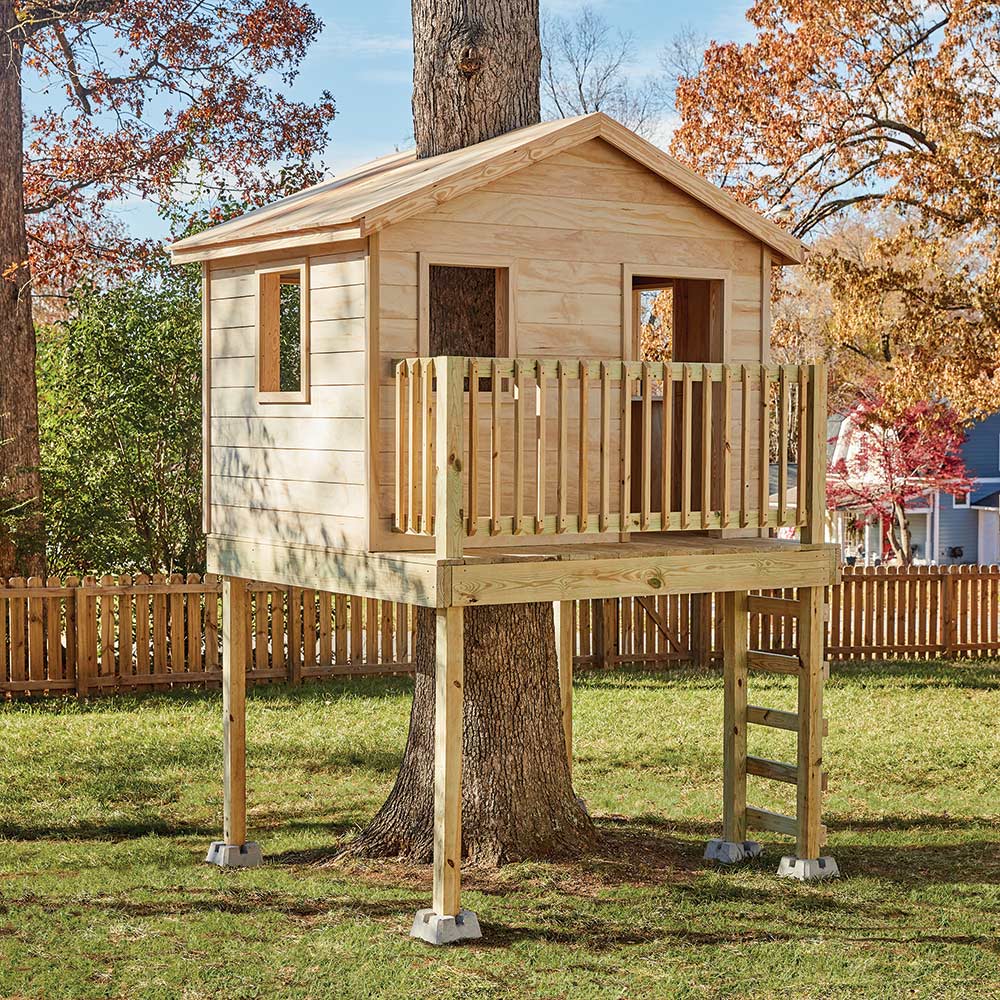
point(348, 450)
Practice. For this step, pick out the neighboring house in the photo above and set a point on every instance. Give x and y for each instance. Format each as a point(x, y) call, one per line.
point(945, 530)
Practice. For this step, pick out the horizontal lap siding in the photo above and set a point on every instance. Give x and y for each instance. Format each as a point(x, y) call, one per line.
point(570, 222)
point(291, 472)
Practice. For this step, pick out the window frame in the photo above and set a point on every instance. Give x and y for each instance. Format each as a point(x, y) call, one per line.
point(955, 505)
point(300, 395)
point(722, 320)
point(505, 301)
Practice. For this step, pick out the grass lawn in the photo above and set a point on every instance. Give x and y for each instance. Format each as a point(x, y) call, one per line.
point(107, 808)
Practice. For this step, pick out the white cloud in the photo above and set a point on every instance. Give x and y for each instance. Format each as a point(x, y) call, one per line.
point(357, 41)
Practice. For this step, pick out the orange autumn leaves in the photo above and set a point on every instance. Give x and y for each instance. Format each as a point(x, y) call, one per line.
point(171, 103)
point(883, 116)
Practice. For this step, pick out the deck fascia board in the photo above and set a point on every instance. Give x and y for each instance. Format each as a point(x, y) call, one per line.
point(532, 573)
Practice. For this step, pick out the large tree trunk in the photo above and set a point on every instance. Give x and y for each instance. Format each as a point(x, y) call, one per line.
point(21, 548)
point(476, 72)
point(517, 796)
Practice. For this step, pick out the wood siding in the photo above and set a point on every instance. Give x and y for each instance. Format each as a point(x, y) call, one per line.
point(291, 472)
point(570, 223)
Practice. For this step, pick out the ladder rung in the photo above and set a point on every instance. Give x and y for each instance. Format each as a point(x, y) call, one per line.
point(776, 770)
point(764, 819)
point(773, 663)
point(784, 607)
point(775, 718)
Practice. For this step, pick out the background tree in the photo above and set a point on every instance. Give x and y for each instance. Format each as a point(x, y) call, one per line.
point(120, 414)
point(844, 110)
point(145, 98)
point(586, 67)
point(880, 467)
point(476, 75)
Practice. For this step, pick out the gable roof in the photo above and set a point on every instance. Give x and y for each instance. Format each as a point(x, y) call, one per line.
point(396, 187)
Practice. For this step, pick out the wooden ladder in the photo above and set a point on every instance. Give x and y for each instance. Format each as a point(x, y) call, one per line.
point(810, 669)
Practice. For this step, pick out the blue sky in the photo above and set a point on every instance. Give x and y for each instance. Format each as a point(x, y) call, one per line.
point(364, 58)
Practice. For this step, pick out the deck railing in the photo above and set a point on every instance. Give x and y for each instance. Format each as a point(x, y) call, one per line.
point(531, 446)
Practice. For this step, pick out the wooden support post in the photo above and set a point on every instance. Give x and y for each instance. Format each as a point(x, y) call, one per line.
point(448, 762)
point(735, 622)
point(235, 612)
point(565, 635)
point(813, 449)
point(810, 717)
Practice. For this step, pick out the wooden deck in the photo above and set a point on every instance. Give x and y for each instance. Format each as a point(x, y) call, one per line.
point(644, 565)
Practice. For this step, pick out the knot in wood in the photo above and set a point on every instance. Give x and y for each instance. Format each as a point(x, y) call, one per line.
point(469, 61)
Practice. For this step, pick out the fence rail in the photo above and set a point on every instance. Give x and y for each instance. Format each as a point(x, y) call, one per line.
point(93, 635)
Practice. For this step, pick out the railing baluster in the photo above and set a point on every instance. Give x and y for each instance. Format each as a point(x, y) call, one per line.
point(666, 447)
point(605, 446)
point(686, 447)
point(626, 449)
point(540, 403)
point(764, 465)
point(646, 459)
point(495, 443)
point(427, 471)
point(399, 515)
point(584, 472)
point(745, 447)
point(473, 473)
point(414, 450)
point(803, 433)
point(518, 450)
point(782, 445)
point(706, 445)
point(727, 444)
point(561, 498)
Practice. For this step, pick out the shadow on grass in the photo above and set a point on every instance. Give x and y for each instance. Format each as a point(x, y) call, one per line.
point(233, 899)
point(310, 692)
point(115, 830)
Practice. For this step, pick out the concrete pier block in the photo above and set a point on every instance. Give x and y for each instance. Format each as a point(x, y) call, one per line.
point(726, 852)
point(436, 929)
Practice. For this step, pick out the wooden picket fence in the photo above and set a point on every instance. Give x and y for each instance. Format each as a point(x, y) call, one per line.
point(894, 613)
point(154, 632)
point(88, 636)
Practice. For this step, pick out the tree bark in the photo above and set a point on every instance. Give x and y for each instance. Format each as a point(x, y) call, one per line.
point(517, 795)
point(900, 535)
point(21, 549)
point(476, 70)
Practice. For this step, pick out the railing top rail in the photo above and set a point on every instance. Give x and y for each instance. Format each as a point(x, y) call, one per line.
point(616, 369)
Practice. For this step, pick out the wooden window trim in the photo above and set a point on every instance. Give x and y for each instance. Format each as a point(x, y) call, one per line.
point(301, 395)
point(667, 272)
point(506, 295)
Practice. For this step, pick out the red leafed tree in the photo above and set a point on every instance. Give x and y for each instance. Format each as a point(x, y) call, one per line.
point(882, 462)
point(134, 99)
